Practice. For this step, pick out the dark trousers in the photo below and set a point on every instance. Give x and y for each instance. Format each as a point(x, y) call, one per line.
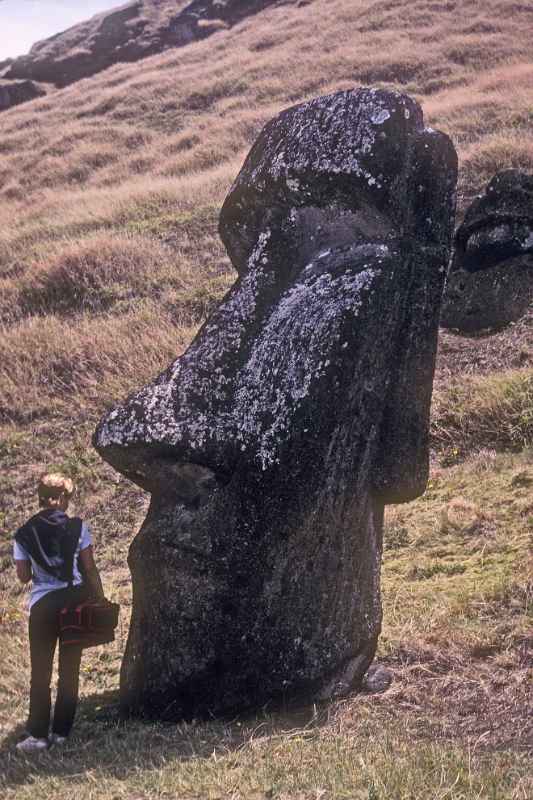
point(44, 631)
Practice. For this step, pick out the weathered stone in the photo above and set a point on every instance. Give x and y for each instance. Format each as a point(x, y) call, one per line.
point(377, 679)
point(12, 93)
point(305, 397)
point(5, 64)
point(491, 277)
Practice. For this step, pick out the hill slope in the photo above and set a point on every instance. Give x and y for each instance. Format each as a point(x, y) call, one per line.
point(129, 32)
point(149, 152)
point(109, 261)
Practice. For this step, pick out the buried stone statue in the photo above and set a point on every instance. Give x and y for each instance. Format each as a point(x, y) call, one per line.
point(299, 411)
point(491, 277)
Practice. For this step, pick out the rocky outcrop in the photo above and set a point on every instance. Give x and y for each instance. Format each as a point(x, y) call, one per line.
point(491, 277)
point(300, 409)
point(128, 33)
point(14, 92)
point(5, 64)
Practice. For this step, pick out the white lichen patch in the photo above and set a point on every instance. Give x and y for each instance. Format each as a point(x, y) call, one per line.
point(528, 241)
point(328, 136)
point(295, 349)
point(380, 116)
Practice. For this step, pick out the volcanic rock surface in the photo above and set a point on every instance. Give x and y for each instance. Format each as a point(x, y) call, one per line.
point(301, 408)
point(491, 277)
point(128, 33)
point(5, 64)
point(14, 92)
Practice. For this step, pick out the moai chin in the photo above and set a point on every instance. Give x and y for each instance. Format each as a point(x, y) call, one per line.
point(298, 412)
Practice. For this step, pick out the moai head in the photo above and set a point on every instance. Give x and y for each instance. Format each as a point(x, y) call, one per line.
point(491, 278)
point(272, 445)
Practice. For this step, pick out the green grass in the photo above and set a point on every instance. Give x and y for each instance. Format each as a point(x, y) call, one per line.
point(484, 411)
point(458, 615)
point(276, 762)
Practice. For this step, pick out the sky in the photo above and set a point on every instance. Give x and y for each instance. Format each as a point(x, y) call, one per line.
point(23, 22)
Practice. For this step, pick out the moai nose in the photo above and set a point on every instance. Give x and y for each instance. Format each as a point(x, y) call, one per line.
point(179, 424)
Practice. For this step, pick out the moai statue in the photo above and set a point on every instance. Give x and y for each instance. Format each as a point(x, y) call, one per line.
point(491, 278)
point(301, 408)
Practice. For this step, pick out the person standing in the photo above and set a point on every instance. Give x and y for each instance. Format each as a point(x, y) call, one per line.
point(55, 553)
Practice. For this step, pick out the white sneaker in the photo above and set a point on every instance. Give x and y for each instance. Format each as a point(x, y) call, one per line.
point(56, 739)
point(31, 745)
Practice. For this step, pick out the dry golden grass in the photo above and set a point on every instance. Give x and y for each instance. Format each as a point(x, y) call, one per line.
point(94, 273)
point(494, 410)
point(152, 150)
point(50, 368)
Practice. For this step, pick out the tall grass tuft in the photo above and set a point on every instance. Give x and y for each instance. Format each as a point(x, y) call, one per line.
point(485, 411)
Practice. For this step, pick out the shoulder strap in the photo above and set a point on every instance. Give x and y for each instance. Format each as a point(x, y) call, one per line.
point(70, 543)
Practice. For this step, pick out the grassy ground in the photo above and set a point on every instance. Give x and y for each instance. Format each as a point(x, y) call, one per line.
point(109, 261)
point(457, 637)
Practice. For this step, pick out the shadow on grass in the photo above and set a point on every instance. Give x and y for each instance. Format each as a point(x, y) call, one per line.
point(109, 746)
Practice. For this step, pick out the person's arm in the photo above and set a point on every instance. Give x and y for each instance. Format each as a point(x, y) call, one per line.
point(23, 570)
point(22, 563)
point(90, 572)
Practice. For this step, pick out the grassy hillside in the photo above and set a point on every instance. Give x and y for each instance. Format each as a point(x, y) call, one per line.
point(109, 261)
point(145, 153)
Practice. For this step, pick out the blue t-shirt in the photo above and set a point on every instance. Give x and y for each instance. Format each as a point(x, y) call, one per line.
point(43, 582)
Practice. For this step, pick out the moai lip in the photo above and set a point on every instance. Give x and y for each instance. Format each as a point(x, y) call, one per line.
point(301, 408)
point(491, 278)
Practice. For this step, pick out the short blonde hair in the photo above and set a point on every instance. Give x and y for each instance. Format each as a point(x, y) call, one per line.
point(53, 487)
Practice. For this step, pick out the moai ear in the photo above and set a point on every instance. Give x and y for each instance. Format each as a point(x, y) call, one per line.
point(402, 473)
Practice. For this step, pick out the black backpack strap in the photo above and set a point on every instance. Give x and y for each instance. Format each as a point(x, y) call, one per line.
point(70, 543)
